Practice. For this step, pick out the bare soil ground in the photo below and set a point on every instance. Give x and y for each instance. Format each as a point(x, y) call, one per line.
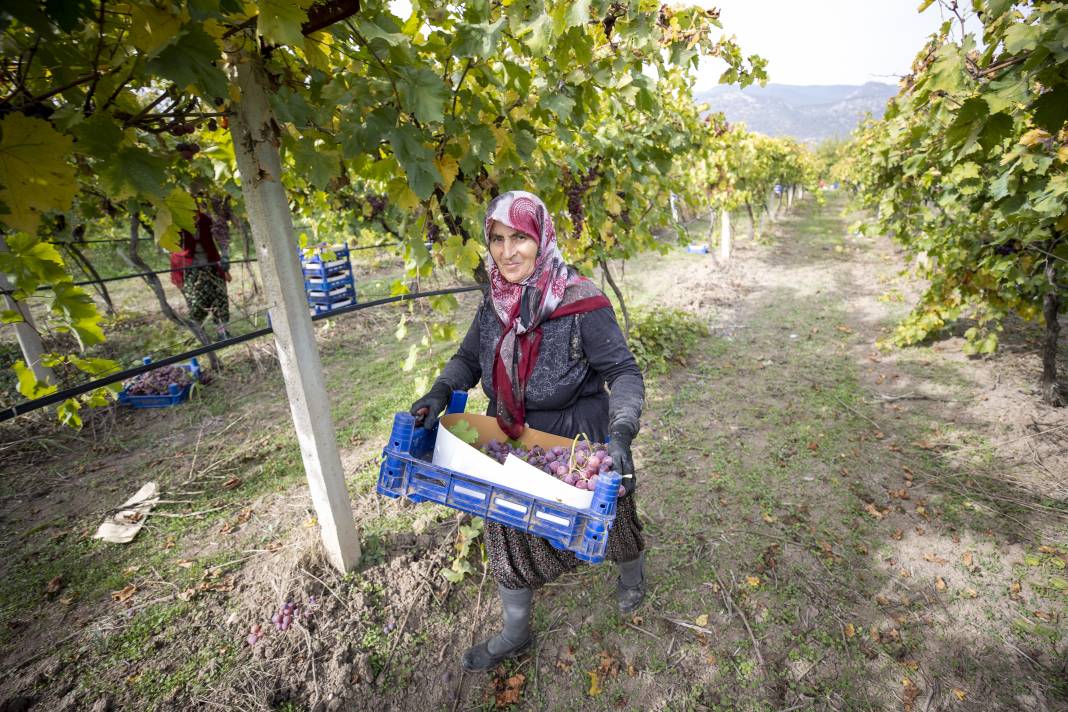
point(832, 525)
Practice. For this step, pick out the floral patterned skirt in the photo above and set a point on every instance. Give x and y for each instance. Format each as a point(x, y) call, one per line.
point(521, 560)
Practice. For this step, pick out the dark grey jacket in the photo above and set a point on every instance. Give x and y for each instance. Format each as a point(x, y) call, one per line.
point(566, 394)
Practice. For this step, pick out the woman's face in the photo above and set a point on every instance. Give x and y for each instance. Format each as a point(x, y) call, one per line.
point(514, 252)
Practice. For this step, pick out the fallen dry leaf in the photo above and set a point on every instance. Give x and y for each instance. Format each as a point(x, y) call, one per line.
point(897, 535)
point(879, 435)
point(130, 570)
point(226, 528)
point(844, 329)
point(873, 510)
point(940, 584)
point(970, 593)
point(701, 620)
point(595, 683)
point(508, 691)
point(813, 446)
point(850, 631)
point(966, 559)
point(232, 483)
point(904, 573)
point(923, 445)
point(933, 558)
point(1043, 616)
point(185, 563)
point(274, 546)
point(959, 694)
point(767, 518)
point(1015, 590)
point(54, 584)
point(188, 595)
point(909, 693)
point(132, 516)
point(1047, 550)
point(244, 515)
point(169, 542)
point(124, 595)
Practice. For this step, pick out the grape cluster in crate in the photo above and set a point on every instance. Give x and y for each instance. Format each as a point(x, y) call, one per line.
point(158, 382)
point(579, 467)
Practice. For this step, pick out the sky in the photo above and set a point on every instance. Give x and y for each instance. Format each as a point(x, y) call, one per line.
point(825, 41)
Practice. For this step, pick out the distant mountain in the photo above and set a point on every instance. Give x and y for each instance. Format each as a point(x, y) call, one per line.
point(807, 113)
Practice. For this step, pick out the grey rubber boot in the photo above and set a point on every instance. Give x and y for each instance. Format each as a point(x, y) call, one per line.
point(630, 587)
point(513, 640)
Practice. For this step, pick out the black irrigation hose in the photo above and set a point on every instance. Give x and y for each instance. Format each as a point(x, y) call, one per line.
point(131, 277)
point(51, 399)
point(173, 269)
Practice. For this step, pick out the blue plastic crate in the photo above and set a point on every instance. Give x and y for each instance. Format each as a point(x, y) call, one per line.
point(337, 304)
point(330, 282)
point(177, 394)
point(407, 471)
point(328, 298)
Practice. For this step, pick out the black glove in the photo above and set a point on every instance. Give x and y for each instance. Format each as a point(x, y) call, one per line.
point(427, 409)
point(622, 461)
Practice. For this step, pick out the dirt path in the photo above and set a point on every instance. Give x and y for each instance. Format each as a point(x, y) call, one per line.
point(831, 526)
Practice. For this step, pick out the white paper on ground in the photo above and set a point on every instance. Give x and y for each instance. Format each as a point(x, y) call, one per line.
point(453, 453)
point(122, 526)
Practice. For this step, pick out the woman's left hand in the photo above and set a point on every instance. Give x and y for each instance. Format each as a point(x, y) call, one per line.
point(623, 462)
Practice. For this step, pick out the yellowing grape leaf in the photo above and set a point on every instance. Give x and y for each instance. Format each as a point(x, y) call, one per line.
point(280, 20)
point(850, 630)
point(701, 620)
point(36, 175)
point(151, 28)
point(448, 167)
point(959, 694)
point(753, 581)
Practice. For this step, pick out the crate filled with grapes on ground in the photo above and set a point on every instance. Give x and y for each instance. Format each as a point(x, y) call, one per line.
point(562, 490)
point(161, 387)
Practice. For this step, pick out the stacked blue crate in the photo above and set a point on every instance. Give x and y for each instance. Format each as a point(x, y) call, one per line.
point(328, 279)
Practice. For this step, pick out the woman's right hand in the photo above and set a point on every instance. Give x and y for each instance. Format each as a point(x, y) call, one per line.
point(427, 409)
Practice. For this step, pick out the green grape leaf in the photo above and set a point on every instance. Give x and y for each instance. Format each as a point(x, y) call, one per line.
point(192, 61)
point(318, 164)
point(1051, 109)
point(35, 174)
point(478, 40)
point(558, 103)
point(280, 21)
point(464, 431)
point(68, 13)
point(99, 136)
point(133, 171)
point(465, 256)
point(416, 159)
point(94, 366)
point(78, 311)
point(11, 316)
point(152, 28)
point(28, 385)
point(423, 93)
point(68, 413)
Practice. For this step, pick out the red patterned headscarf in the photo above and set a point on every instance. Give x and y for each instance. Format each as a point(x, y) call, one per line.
point(550, 292)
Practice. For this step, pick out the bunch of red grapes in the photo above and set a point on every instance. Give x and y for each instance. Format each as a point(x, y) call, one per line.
point(590, 460)
point(157, 382)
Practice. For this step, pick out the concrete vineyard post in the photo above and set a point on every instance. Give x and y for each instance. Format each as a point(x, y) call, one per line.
point(790, 197)
point(255, 136)
point(25, 331)
point(724, 235)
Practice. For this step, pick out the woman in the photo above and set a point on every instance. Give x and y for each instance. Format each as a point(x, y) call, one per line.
point(545, 343)
point(201, 272)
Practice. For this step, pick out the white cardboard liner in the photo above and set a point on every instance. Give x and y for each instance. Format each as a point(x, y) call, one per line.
point(454, 454)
